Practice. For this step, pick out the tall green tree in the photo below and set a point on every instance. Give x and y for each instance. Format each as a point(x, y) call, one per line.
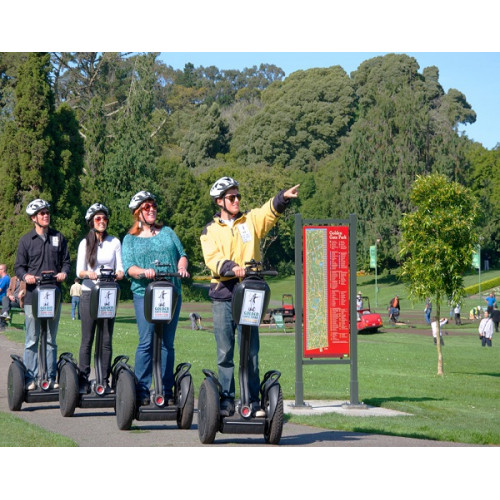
point(208, 137)
point(130, 161)
point(302, 120)
point(404, 128)
point(27, 151)
point(438, 238)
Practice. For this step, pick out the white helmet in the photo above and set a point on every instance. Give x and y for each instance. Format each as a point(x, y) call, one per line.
point(140, 198)
point(96, 207)
point(36, 205)
point(221, 186)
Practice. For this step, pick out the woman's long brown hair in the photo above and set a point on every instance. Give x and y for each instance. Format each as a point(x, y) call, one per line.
point(92, 244)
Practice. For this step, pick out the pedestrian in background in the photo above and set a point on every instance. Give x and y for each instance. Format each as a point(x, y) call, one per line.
point(458, 321)
point(428, 310)
point(75, 292)
point(486, 330)
point(195, 321)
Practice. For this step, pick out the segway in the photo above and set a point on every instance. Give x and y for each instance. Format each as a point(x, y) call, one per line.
point(250, 300)
point(104, 298)
point(160, 303)
point(46, 300)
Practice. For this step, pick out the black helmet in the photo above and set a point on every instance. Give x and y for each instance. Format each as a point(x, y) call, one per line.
point(96, 207)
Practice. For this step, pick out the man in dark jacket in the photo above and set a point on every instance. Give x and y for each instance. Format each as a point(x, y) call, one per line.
point(42, 249)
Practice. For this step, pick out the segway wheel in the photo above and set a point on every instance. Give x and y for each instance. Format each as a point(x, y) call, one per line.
point(185, 414)
point(274, 428)
point(68, 390)
point(208, 411)
point(125, 400)
point(15, 387)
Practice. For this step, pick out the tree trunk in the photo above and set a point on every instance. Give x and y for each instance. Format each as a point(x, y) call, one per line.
point(438, 337)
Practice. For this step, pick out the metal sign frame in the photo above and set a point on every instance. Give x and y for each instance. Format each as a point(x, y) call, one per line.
point(300, 361)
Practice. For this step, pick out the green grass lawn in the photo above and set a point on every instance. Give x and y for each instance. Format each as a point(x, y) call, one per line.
point(396, 370)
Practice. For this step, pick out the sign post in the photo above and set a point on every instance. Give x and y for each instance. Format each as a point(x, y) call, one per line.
point(325, 284)
point(476, 263)
point(373, 265)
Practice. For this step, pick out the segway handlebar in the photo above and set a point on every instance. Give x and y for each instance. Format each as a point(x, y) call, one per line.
point(47, 278)
point(252, 269)
point(106, 275)
point(160, 275)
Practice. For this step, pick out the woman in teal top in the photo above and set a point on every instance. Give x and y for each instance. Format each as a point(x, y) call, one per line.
point(146, 242)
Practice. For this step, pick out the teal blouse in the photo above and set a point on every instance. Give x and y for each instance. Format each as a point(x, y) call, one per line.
point(142, 252)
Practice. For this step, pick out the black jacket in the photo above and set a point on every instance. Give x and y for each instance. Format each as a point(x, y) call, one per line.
point(35, 255)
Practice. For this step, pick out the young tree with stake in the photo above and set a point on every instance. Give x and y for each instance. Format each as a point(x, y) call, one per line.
point(438, 239)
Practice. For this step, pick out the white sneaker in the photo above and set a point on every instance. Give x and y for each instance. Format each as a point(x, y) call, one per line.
point(54, 385)
point(259, 413)
point(31, 386)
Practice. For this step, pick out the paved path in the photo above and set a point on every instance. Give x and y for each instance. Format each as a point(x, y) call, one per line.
point(96, 427)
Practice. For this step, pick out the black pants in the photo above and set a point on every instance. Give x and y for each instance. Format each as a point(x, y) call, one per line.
point(88, 332)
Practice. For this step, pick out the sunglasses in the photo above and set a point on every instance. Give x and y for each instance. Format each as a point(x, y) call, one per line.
point(148, 206)
point(99, 218)
point(232, 197)
point(44, 212)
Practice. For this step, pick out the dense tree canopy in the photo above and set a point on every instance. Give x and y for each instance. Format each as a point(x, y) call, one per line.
point(80, 127)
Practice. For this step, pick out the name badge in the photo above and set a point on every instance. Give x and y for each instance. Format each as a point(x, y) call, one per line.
point(246, 235)
point(55, 241)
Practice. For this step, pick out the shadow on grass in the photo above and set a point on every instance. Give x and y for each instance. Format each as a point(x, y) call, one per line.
point(487, 374)
point(397, 399)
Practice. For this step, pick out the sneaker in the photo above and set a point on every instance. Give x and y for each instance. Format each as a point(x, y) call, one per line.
point(54, 385)
point(5, 315)
point(31, 386)
point(257, 411)
point(226, 408)
point(170, 402)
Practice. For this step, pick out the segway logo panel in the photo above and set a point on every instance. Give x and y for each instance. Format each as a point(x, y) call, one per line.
point(251, 310)
point(46, 302)
point(104, 300)
point(160, 301)
point(161, 307)
point(107, 303)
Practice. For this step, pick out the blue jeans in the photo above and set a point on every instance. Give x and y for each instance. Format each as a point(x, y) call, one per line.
point(224, 329)
point(75, 304)
point(32, 338)
point(144, 354)
point(428, 316)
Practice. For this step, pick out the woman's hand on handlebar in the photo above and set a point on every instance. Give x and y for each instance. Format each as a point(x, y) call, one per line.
point(120, 275)
point(149, 274)
point(183, 272)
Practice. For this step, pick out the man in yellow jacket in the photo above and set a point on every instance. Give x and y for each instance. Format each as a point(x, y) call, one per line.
point(229, 240)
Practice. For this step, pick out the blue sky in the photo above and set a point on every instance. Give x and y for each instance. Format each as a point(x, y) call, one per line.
point(475, 74)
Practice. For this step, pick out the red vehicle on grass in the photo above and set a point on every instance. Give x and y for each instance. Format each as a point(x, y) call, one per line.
point(368, 321)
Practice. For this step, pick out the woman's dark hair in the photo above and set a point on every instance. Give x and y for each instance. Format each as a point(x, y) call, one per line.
point(92, 244)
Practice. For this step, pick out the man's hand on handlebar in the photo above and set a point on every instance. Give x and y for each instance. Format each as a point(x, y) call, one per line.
point(238, 271)
point(60, 276)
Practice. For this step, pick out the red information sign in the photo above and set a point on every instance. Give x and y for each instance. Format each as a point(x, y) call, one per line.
point(326, 291)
